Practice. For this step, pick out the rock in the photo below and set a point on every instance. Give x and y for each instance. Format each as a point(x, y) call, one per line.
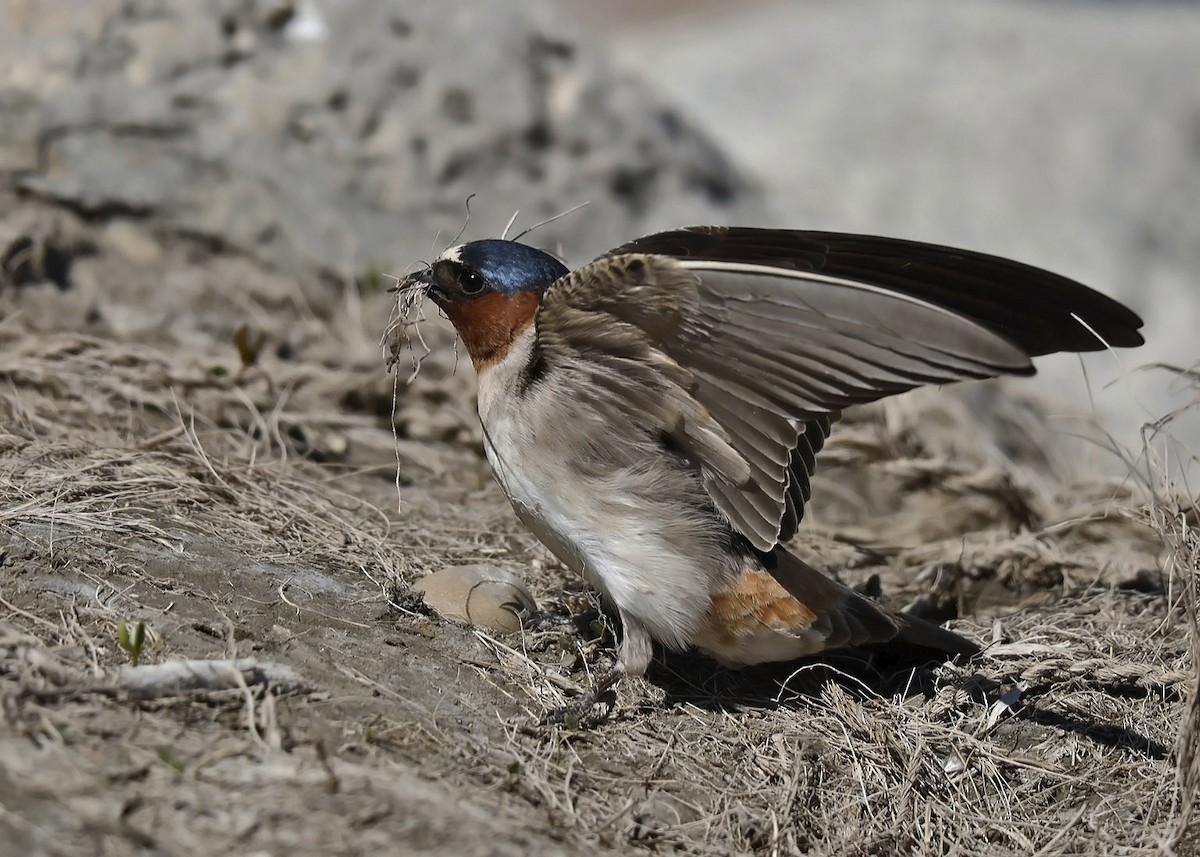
point(132, 241)
point(338, 136)
point(482, 595)
point(39, 246)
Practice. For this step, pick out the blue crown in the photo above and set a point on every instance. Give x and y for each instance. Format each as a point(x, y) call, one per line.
point(511, 267)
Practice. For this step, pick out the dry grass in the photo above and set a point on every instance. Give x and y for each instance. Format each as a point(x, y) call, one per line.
point(250, 509)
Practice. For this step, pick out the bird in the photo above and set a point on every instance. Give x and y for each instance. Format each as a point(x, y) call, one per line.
point(655, 416)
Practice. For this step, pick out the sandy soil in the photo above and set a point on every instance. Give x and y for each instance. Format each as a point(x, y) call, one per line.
point(216, 459)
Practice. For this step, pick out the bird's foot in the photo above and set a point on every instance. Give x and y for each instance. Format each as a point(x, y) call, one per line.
point(583, 713)
point(546, 621)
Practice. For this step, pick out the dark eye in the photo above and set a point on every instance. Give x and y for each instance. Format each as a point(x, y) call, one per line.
point(471, 283)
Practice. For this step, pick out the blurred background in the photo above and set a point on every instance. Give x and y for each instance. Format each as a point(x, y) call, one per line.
point(1063, 134)
point(330, 141)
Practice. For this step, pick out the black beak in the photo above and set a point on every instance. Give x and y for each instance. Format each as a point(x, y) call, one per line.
point(420, 281)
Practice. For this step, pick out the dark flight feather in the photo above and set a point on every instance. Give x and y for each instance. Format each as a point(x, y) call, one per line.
point(1027, 305)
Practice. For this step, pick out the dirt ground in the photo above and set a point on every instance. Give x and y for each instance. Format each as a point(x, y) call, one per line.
point(194, 443)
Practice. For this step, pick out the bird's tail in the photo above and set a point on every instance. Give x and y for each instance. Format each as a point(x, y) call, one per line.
point(919, 632)
point(844, 617)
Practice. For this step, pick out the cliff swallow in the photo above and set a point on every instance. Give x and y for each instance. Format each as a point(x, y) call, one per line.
point(655, 416)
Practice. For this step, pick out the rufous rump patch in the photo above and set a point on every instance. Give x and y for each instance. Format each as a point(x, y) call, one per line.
point(752, 600)
point(489, 324)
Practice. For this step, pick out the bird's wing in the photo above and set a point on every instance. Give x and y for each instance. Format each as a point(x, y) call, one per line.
point(1036, 309)
point(738, 347)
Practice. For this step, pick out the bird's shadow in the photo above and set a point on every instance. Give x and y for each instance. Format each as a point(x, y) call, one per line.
point(906, 671)
point(690, 678)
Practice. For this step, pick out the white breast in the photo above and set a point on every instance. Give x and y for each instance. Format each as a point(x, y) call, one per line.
point(626, 519)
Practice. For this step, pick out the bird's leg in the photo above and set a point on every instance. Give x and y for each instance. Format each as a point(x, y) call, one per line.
point(633, 656)
point(578, 714)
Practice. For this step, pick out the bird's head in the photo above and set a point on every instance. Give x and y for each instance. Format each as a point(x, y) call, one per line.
point(491, 291)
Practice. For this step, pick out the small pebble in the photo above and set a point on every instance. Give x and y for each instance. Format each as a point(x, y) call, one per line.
point(482, 595)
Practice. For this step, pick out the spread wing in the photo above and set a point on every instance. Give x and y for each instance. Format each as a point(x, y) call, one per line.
point(739, 347)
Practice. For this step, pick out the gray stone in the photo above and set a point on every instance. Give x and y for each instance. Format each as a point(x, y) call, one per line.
point(342, 135)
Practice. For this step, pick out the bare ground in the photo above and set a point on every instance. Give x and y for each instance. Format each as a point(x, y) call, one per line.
point(193, 443)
